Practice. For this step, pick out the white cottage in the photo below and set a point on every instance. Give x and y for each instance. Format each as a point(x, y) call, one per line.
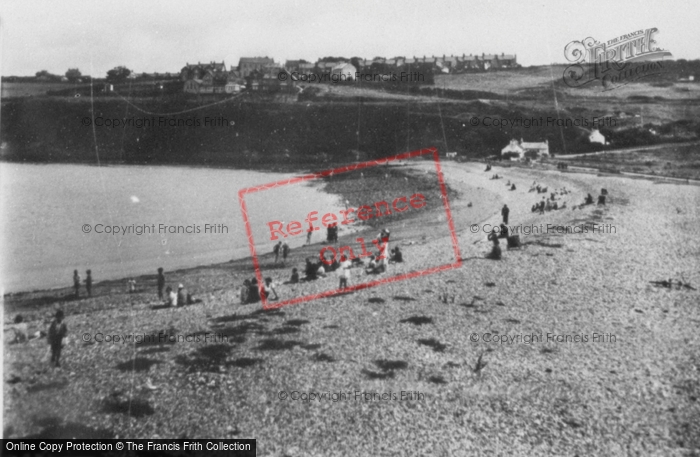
point(524, 149)
point(596, 137)
point(345, 70)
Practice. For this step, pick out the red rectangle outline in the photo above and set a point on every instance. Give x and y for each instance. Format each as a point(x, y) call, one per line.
point(358, 166)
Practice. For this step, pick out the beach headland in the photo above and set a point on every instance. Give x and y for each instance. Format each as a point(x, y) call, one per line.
point(549, 321)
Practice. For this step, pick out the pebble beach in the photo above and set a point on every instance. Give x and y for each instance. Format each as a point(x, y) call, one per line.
point(568, 345)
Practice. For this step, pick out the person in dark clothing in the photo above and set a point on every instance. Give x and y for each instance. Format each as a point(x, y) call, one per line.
point(295, 276)
point(88, 282)
point(254, 291)
point(310, 270)
point(589, 199)
point(333, 266)
point(276, 251)
point(504, 212)
point(285, 251)
point(76, 283)
point(396, 255)
point(309, 232)
point(245, 292)
point(161, 282)
point(57, 331)
point(335, 233)
point(495, 253)
point(503, 231)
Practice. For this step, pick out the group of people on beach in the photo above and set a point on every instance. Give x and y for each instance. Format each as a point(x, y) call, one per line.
point(88, 283)
point(281, 248)
point(550, 203)
point(316, 268)
point(252, 292)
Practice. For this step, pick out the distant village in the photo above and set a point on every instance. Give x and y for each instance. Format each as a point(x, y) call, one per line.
point(261, 74)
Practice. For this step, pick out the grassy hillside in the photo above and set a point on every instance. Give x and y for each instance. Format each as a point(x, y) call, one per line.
point(343, 123)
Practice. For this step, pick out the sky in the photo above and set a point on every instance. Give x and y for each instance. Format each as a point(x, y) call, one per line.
point(162, 36)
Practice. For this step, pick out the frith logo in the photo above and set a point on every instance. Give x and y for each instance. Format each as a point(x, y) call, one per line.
point(615, 62)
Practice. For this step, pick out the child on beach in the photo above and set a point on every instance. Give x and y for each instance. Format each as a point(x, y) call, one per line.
point(171, 297)
point(57, 331)
point(344, 272)
point(309, 233)
point(181, 295)
point(295, 276)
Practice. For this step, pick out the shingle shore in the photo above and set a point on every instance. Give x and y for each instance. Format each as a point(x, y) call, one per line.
point(636, 395)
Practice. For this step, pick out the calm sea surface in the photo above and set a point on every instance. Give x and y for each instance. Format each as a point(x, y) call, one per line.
point(46, 211)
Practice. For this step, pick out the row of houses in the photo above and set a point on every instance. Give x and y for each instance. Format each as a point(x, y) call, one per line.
point(252, 73)
point(260, 73)
point(441, 64)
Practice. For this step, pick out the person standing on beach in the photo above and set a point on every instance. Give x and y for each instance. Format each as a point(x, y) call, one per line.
point(161, 282)
point(309, 233)
point(276, 251)
point(76, 283)
point(57, 331)
point(88, 282)
point(285, 251)
point(504, 212)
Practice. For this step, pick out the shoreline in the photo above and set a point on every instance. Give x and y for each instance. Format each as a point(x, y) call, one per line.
point(246, 262)
point(42, 295)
